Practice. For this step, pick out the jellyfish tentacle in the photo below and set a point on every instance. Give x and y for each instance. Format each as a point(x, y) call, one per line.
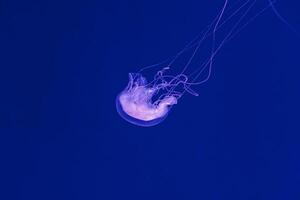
point(214, 38)
point(189, 90)
point(281, 18)
point(207, 64)
point(196, 41)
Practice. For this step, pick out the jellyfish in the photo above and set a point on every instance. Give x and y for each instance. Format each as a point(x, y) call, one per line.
point(148, 103)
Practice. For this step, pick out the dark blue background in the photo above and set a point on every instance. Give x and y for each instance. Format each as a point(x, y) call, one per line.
point(64, 62)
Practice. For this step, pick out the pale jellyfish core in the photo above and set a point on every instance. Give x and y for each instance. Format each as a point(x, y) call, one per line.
point(146, 103)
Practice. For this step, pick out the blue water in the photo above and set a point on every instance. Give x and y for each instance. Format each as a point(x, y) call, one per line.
point(64, 62)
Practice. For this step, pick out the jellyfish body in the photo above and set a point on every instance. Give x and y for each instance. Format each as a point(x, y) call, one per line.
point(148, 103)
point(136, 104)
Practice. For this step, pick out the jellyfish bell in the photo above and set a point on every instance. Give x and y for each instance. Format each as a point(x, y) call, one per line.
point(140, 104)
